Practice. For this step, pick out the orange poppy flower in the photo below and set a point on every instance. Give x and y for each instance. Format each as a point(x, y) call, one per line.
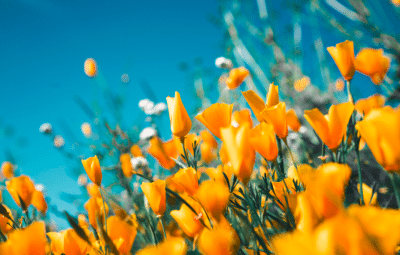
point(276, 115)
point(180, 120)
point(236, 77)
point(292, 120)
point(343, 55)
point(208, 147)
point(187, 221)
point(331, 128)
point(95, 209)
point(121, 233)
point(239, 151)
point(93, 169)
point(380, 130)
point(171, 246)
point(5, 223)
point(215, 117)
point(364, 106)
point(217, 203)
point(188, 143)
point(367, 194)
point(242, 116)
point(126, 165)
point(22, 188)
point(163, 152)
point(263, 141)
point(67, 242)
point(373, 63)
point(90, 67)
point(155, 194)
point(7, 169)
point(39, 202)
point(136, 151)
point(187, 179)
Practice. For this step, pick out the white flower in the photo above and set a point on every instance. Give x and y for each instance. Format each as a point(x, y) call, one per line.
point(147, 133)
point(139, 162)
point(159, 108)
point(147, 106)
point(39, 187)
point(46, 128)
point(86, 129)
point(82, 180)
point(224, 63)
point(58, 141)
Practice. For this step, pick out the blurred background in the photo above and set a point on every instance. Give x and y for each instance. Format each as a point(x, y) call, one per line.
point(152, 49)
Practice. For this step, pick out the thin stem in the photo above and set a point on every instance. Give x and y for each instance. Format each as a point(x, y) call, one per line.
point(396, 192)
point(348, 83)
point(163, 229)
point(104, 208)
point(294, 161)
point(359, 175)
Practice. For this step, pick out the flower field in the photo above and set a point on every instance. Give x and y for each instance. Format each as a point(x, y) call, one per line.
point(309, 170)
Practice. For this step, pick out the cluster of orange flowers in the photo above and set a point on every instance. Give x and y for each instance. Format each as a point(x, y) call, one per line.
point(231, 208)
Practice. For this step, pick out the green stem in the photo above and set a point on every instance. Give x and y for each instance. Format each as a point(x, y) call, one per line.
point(348, 83)
point(294, 161)
point(396, 192)
point(162, 225)
point(359, 176)
point(104, 208)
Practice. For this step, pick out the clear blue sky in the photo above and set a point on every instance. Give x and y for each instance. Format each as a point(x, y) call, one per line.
point(44, 44)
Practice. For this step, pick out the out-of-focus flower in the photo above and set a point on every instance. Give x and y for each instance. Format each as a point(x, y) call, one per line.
point(187, 179)
point(67, 242)
point(21, 241)
point(7, 169)
point(301, 84)
point(147, 133)
point(190, 139)
point(292, 120)
point(82, 180)
point(93, 169)
point(136, 151)
point(332, 127)
point(86, 129)
point(127, 168)
point(215, 117)
point(171, 246)
point(236, 77)
point(163, 152)
point(155, 194)
point(223, 63)
point(121, 233)
point(222, 239)
point(367, 194)
point(90, 67)
point(93, 190)
point(241, 117)
point(21, 187)
point(125, 78)
point(373, 63)
point(339, 85)
point(38, 201)
point(239, 151)
point(5, 223)
point(276, 115)
point(343, 55)
point(95, 209)
point(46, 128)
point(58, 141)
point(178, 116)
point(159, 108)
point(216, 203)
point(396, 3)
point(380, 130)
point(82, 221)
point(364, 106)
point(263, 141)
point(187, 221)
point(208, 147)
point(146, 105)
point(138, 162)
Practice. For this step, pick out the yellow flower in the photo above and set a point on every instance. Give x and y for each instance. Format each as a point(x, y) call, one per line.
point(331, 128)
point(39, 202)
point(222, 239)
point(276, 115)
point(121, 233)
point(215, 117)
point(263, 141)
point(7, 169)
point(214, 197)
point(364, 106)
point(236, 77)
point(343, 55)
point(163, 152)
point(22, 188)
point(171, 246)
point(380, 130)
point(373, 63)
point(292, 120)
point(67, 242)
point(90, 67)
point(93, 169)
point(239, 151)
point(187, 179)
point(95, 209)
point(367, 194)
point(155, 194)
point(180, 120)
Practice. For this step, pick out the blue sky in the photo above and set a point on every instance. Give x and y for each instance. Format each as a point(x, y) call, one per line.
point(44, 45)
